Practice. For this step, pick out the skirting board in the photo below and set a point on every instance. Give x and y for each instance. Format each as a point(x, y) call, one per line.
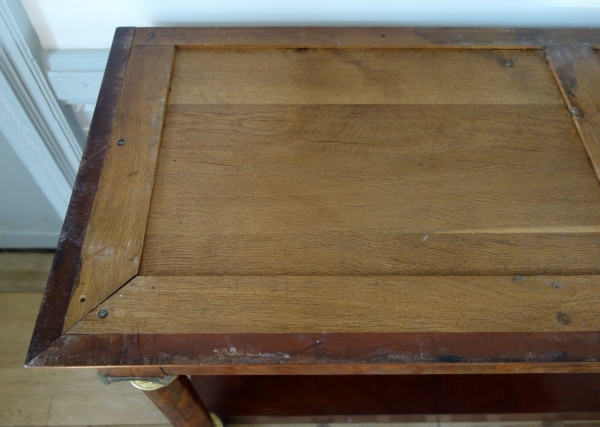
point(75, 75)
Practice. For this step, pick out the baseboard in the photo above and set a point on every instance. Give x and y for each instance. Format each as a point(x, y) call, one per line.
point(75, 75)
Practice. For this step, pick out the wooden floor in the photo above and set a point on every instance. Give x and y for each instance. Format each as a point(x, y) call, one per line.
point(38, 397)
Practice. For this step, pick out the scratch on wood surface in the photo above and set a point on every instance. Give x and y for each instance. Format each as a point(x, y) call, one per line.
point(232, 351)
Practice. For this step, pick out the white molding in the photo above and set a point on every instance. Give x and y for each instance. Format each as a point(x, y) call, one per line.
point(30, 116)
point(20, 131)
point(76, 75)
point(76, 59)
point(76, 88)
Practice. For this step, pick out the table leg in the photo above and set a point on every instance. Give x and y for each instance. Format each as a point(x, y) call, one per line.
point(180, 403)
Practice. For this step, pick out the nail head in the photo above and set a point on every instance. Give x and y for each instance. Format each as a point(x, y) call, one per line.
point(121, 142)
point(102, 313)
point(576, 112)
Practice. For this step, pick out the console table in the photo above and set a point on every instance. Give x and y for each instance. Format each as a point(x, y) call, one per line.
point(337, 224)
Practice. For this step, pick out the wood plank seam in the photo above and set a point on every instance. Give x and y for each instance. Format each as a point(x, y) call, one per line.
point(94, 310)
point(577, 73)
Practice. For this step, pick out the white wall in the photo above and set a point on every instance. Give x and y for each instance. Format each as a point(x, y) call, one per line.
point(39, 152)
point(90, 24)
point(27, 218)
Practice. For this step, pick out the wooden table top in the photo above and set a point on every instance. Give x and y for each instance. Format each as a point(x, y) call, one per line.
point(335, 200)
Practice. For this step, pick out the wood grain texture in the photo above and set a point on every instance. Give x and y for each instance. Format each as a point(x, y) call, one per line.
point(115, 233)
point(19, 411)
point(332, 354)
point(180, 403)
point(17, 318)
point(24, 272)
point(293, 304)
point(372, 190)
point(261, 396)
point(104, 410)
point(59, 382)
point(360, 253)
point(577, 70)
point(362, 76)
point(67, 260)
point(348, 37)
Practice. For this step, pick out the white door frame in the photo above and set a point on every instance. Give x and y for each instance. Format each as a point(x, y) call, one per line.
point(30, 116)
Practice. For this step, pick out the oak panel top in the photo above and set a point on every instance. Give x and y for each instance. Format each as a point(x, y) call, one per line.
point(309, 200)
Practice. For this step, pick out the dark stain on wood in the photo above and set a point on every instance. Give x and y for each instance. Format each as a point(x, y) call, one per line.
point(449, 358)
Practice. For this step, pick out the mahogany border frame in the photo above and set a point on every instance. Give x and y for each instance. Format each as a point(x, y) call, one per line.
point(425, 353)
